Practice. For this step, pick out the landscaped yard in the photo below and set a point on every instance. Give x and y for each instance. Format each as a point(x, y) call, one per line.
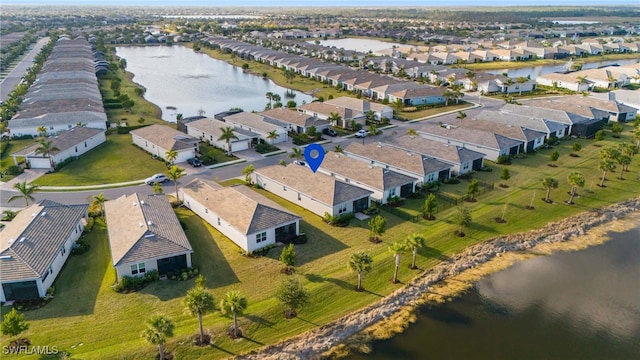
point(433, 111)
point(210, 152)
point(117, 160)
point(7, 159)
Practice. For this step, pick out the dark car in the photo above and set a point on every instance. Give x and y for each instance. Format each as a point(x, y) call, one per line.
point(194, 162)
point(330, 132)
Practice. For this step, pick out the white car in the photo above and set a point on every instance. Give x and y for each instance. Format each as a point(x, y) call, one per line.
point(157, 178)
point(361, 133)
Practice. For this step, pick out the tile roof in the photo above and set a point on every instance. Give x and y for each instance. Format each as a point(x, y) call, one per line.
point(421, 91)
point(142, 227)
point(32, 240)
point(252, 122)
point(166, 137)
point(356, 104)
point(214, 128)
point(409, 161)
point(446, 152)
point(471, 136)
point(64, 140)
point(293, 117)
point(244, 209)
point(319, 186)
point(509, 130)
point(359, 171)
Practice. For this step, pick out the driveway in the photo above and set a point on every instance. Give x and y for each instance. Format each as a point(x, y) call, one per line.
point(15, 76)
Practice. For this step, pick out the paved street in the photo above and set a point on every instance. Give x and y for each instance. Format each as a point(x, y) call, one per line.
point(13, 79)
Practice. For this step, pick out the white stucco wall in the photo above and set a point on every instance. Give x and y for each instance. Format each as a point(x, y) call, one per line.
point(154, 149)
point(236, 145)
point(150, 264)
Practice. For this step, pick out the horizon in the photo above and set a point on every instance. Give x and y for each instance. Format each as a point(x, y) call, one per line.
point(324, 4)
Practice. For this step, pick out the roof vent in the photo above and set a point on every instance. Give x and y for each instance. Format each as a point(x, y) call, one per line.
point(33, 214)
point(141, 202)
point(134, 203)
point(150, 235)
point(11, 241)
point(22, 239)
point(4, 257)
point(43, 213)
point(149, 223)
point(410, 154)
point(140, 224)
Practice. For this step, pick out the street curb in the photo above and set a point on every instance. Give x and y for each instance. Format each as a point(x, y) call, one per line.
point(90, 187)
point(214, 166)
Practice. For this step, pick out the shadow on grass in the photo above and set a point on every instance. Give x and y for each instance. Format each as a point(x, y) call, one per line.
point(434, 253)
point(307, 321)
point(319, 244)
point(252, 340)
point(214, 346)
point(260, 320)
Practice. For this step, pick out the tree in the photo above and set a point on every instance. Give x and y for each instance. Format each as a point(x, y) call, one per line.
point(429, 206)
point(623, 160)
point(461, 115)
point(576, 147)
point(247, 171)
point(373, 130)
point(412, 132)
point(159, 328)
point(8, 215)
point(629, 150)
point(276, 99)
point(616, 130)
point(636, 136)
point(174, 174)
point(414, 242)
point(473, 189)
point(377, 226)
point(605, 166)
point(128, 104)
point(396, 249)
point(338, 149)
point(335, 119)
point(179, 116)
point(370, 116)
point(157, 188)
point(554, 155)
point(171, 156)
point(272, 135)
point(505, 175)
point(296, 153)
point(576, 180)
point(293, 296)
point(521, 80)
point(599, 135)
point(549, 183)
point(25, 191)
point(361, 263)
point(234, 304)
point(448, 95)
point(398, 105)
point(462, 218)
point(98, 200)
point(42, 131)
point(199, 302)
point(227, 135)
point(288, 257)
point(45, 149)
point(13, 323)
point(245, 66)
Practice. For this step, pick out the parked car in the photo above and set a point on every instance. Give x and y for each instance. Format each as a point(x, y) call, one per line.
point(330, 132)
point(157, 178)
point(195, 162)
point(361, 133)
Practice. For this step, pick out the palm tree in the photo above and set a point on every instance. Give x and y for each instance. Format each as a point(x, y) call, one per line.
point(398, 105)
point(581, 80)
point(233, 303)
point(45, 149)
point(26, 192)
point(414, 242)
point(227, 135)
point(159, 328)
point(396, 248)
point(174, 174)
point(605, 166)
point(373, 130)
point(629, 150)
point(461, 115)
point(98, 200)
point(623, 160)
point(171, 156)
point(199, 301)
point(272, 135)
point(335, 119)
point(508, 82)
point(521, 80)
point(636, 136)
point(42, 131)
point(247, 171)
point(576, 180)
point(448, 95)
point(549, 183)
point(412, 132)
point(360, 263)
point(338, 149)
point(370, 116)
point(296, 153)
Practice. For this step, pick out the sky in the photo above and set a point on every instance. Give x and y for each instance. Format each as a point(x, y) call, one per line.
point(323, 3)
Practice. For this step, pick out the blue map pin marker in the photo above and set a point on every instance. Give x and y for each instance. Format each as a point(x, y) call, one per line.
point(314, 154)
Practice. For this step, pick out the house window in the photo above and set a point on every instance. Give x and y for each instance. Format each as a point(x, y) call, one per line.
point(218, 220)
point(50, 127)
point(465, 166)
point(299, 197)
point(85, 144)
point(62, 250)
point(141, 268)
point(76, 149)
point(392, 192)
point(284, 188)
point(342, 208)
point(138, 269)
point(261, 237)
point(206, 211)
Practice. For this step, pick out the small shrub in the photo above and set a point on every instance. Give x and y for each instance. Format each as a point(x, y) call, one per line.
point(14, 170)
point(503, 159)
point(90, 224)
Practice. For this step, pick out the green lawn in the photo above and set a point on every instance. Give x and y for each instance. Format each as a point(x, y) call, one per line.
point(117, 160)
point(219, 155)
point(433, 111)
point(7, 159)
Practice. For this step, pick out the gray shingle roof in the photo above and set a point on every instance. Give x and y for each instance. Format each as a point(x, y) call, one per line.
point(244, 209)
point(446, 152)
point(359, 171)
point(166, 137)
point(32, 240)
point(142, 227)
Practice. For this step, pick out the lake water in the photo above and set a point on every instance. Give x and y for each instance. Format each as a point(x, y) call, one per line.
point(535, 71)
point(574, 305)
point(362, 45)
point(176, 76)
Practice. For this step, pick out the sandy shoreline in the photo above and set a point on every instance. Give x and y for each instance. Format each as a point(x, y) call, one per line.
point(393, 313)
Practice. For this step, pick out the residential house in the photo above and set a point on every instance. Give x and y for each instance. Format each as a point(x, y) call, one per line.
point(570, 81)
point(69, 144)
point(529, 121)
point(424, 95)
point(359, 106)
point(383, 183)
point(254, 123)
point(34, 247)
point(462, 159)
point(316, 192)
point(584, 121)
point(422, 169)
point(145, 235)
point(159, 139)
point(247, 218)
point(294, 121)
point(210, 130)
point(530, 139)
point(491, 144)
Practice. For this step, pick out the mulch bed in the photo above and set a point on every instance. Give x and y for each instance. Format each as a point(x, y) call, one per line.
point(459, 233)
point(499, 220)
point(290, 314)
point(574, 155)
point(287, 270)
point(529, 207)
point(504, 186)
point(234, 335)
point(375, 240)
point(206, 340)
point(470, 200)
point(429, 217)
point(552, 165)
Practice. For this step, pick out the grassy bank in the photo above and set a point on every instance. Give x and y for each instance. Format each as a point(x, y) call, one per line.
point(86, 311)
point(497, 65)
